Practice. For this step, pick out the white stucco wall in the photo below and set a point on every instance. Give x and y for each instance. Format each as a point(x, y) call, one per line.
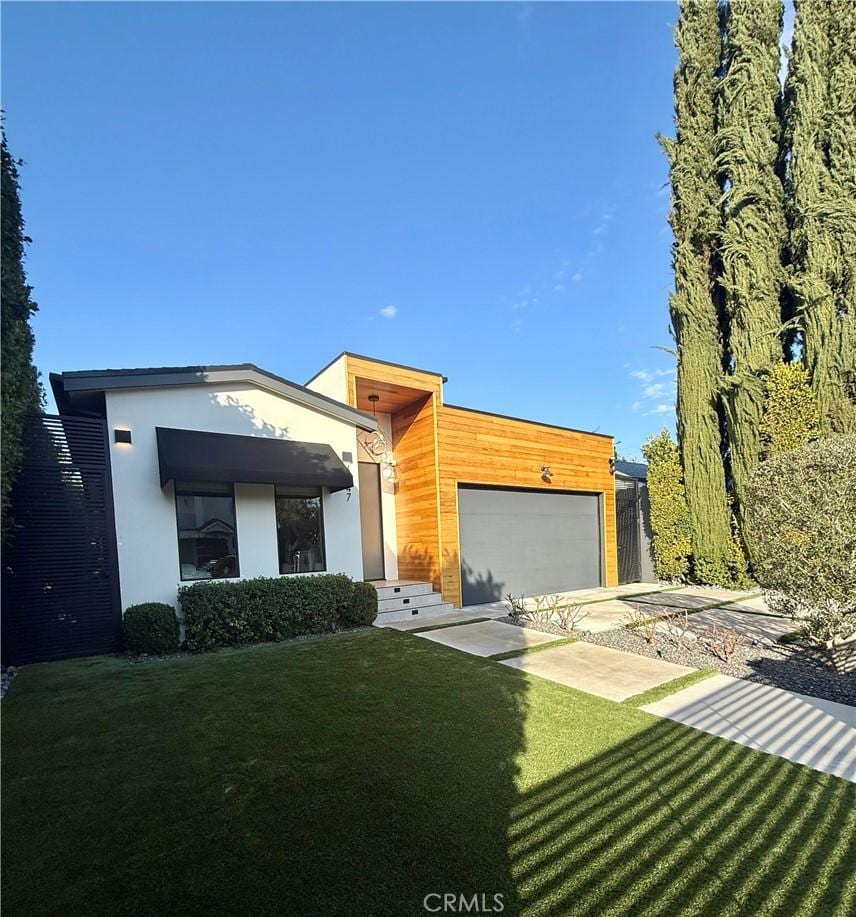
point(387, 499)
point(332, 381)
point(145, 514)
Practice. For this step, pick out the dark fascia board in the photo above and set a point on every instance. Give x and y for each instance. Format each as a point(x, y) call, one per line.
point(159, 377)
point(540, 423)
point(361, 356)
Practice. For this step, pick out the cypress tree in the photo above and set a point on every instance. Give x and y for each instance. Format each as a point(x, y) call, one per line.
point(20, 392)
point(754, 230)
point(694, 305)
point(820, 96)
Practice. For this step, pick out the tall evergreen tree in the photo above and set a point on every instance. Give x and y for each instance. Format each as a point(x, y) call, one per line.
point(694, 305)
point(20, 392)
point(754, 230)
point(820, 96)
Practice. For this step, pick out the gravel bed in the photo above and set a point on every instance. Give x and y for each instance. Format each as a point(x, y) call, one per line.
point(793, 667)
point(544, 628)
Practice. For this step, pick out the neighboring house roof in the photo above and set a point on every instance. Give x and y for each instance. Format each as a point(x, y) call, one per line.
point(636, 470)
point(74, 391)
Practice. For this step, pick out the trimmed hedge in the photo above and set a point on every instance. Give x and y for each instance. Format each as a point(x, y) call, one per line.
point(151, 629)
point(362, 610)
point(263, 610)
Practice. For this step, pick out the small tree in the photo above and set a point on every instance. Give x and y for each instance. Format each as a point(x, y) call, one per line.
point(791, 416)
point(670, 521)
point(801, 533)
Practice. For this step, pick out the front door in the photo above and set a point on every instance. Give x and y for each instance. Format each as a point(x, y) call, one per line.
point(372, 524)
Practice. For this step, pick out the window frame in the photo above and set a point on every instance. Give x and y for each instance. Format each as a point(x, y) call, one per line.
point(177, 492)
point(321, 522)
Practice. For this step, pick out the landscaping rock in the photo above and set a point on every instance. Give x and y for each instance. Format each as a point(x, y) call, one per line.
point(793, 667)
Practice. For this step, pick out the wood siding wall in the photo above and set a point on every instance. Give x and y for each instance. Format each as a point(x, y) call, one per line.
point(414, 443)
point(483, 449)
point(437, 447)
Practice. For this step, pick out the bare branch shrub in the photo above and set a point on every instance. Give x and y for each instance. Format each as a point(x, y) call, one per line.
point(642, 623)
point(723, 641)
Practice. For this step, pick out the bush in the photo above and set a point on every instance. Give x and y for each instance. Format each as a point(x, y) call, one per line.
point(791, 416)
point(151, 629)
point(670, 518)
point(263, 609)
point(800, 526)
point(362, 609)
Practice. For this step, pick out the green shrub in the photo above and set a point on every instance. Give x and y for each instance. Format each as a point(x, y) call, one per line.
point(151, 629)
point(670, 518)
point(362, 609)
point(791, 416)
point(262, 610)
point(800, 526)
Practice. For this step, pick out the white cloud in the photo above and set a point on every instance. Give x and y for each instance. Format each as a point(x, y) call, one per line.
point(657, 385)
point(516, 326)
point(388, 312)
point(560, 288)
point(577, 277)
point(662, 408)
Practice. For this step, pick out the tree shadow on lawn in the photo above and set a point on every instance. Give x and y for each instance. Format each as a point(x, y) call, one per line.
point(359, 774)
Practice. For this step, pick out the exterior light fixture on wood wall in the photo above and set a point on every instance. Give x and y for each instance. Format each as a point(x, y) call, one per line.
point(546, 474)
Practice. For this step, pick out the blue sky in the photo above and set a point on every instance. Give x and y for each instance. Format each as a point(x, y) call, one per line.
point(474, 189)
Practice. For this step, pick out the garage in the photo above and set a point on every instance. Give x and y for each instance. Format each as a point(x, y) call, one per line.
point(529, 542)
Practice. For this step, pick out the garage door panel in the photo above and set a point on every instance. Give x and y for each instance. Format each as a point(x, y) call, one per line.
point(527, 542)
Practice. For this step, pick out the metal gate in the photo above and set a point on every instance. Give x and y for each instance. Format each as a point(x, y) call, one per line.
point(60, 577)
point(628, 524)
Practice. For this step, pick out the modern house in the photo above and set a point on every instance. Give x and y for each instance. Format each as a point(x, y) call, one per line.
point(230, 471)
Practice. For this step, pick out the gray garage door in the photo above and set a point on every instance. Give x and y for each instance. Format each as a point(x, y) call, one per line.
point(528, 542)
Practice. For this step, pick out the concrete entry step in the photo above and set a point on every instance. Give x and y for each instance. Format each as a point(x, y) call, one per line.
point(409, 602)
point(398, 589)
point(425, 614)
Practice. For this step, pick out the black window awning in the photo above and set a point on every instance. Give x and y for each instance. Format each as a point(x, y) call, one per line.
point(193, 455)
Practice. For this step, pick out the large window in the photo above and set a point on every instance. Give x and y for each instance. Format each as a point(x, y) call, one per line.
point(207, 539)
point(299, 530)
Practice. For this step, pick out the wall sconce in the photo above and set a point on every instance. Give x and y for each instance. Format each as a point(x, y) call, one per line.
point(546, 474)
point(612, 465)
point(122, 436)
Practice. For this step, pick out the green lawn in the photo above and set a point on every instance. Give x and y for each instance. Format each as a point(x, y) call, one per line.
point(356, 774)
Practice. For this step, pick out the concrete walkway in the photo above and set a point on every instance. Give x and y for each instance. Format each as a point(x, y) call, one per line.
point(598, 669)
point(488, 638)
point(818, 733)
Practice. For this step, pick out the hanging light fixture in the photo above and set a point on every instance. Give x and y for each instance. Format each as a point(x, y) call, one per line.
point(376, 444)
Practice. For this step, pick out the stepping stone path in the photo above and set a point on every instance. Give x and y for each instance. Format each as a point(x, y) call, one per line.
point(488, 638)
point(598, 670)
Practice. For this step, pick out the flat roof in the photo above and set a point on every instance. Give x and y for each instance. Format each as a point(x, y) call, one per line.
point(362, 356)
point(539, 423)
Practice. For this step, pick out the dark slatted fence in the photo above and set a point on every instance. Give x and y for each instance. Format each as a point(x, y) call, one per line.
point(60, 580)
point(628, 524)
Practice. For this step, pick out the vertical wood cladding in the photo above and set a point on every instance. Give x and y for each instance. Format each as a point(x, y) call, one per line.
point(437, 447)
